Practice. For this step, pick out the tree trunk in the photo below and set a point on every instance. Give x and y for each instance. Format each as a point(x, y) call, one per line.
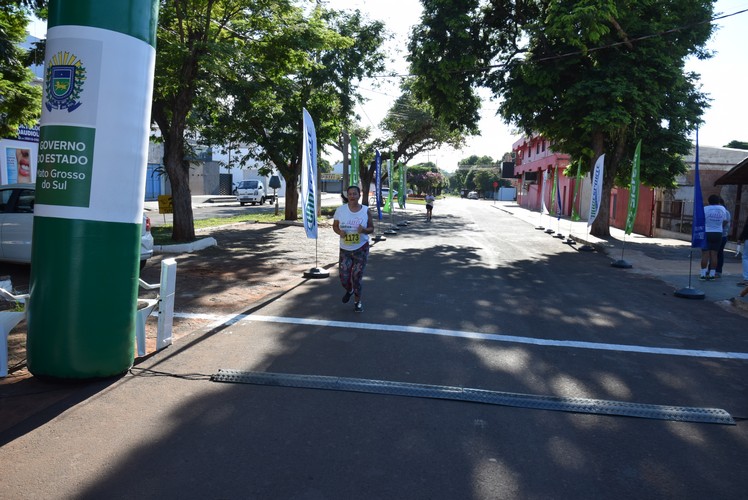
point(183, 229)
point(292, 194)
point(172, 126)
point(601, 225)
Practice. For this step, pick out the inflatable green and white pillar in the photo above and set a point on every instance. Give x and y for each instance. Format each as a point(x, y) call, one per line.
point(90, 187)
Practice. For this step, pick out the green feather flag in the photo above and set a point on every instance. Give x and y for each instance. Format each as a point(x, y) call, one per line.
point(634, 190)
point(354, 162)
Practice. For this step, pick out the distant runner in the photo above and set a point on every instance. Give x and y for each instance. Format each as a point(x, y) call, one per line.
point(430, 199)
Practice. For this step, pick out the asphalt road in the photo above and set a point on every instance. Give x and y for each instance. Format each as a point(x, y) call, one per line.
point(475, 299)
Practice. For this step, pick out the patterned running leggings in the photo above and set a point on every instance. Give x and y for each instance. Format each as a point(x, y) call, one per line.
point(351, 268)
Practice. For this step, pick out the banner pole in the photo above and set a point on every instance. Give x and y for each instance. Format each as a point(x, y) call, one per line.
point(621, 263)
point(310, 197)
point(587, 247)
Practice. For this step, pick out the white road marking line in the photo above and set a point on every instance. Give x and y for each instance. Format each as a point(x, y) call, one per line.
point(233, 319)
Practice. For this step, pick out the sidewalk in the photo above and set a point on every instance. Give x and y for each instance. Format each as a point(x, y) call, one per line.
point(668, 259)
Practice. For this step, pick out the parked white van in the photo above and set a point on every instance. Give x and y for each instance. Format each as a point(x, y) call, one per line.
point(253, 191)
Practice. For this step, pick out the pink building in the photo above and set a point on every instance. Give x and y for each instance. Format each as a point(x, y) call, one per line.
point(537, 164)
point(534, 158)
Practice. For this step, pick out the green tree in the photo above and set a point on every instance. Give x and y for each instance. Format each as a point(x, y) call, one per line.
point(426, 178)
point(478, 161)
point(457, 181)
point(593, 76)
point(306, 62)
point(195, 41)
point(410, 128)
point(20, 100)
point(324, 166)
point(485, 177)
point(737, 145)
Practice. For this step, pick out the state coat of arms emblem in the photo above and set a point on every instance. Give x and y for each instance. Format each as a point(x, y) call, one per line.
point(65, 76)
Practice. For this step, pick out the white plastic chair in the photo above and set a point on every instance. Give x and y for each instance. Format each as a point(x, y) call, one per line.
point(8, 321)
point(165, 303)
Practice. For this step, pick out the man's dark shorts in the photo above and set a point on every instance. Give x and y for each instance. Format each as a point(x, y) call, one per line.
point(713, 241)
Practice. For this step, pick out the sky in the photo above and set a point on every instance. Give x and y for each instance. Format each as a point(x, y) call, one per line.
point(722, 78)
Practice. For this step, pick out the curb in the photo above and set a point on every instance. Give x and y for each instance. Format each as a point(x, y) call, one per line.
point(193, 246)
point(740, 303)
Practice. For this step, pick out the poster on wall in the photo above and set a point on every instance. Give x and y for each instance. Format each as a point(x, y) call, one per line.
point(17, 161)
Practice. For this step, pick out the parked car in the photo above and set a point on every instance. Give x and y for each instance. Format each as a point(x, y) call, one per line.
point(17, 219)
point(472, 195)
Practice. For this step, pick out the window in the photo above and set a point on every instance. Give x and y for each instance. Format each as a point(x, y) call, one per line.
point(5, 198)
point(25, 203)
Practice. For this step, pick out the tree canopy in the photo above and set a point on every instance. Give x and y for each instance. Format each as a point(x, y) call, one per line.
point(410, 127)
point(237, 73)
point(478, 161)
point(594, 76)
point(314, 65)
point(426, 178)
point(737, 144)
point(20, 101)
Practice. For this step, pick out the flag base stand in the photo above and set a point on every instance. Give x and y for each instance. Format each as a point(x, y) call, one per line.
point(621, 264)
point(569, 241)
point(689, 293)
point(316, 273)
point(379, 237)
point(390, 231)
point(586, 248)
point(540, 228)
point(559, 235)
point(402, 224)
point(549, 231)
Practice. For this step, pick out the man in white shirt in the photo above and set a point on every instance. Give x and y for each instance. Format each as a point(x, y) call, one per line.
point(715, 217)
point(725, 233)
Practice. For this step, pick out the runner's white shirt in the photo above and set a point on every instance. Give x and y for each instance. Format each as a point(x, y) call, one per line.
point(349, 222)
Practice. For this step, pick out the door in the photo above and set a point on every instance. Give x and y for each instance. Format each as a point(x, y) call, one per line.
point(16, 224)
point(225, 184)
point(153, 182)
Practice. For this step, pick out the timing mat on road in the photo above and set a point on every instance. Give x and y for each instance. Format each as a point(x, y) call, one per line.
point(495, 337)
point(553, 403)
